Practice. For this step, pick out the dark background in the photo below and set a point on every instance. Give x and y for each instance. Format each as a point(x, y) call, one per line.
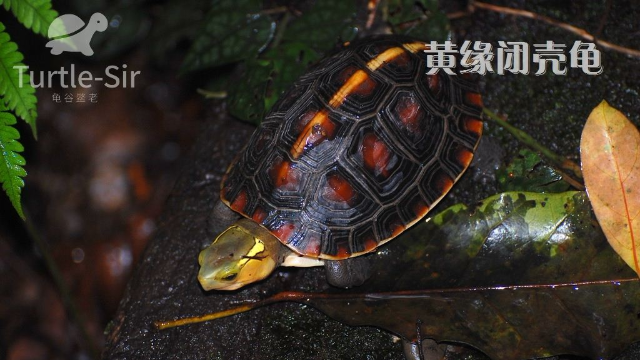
point(100, 174)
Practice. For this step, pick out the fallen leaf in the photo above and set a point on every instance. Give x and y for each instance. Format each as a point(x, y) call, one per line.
point(528, 172)
point(610, 153)
point(518, 275)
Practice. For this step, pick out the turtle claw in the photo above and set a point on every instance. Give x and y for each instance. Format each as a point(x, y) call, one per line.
point(348, 272)
point(423, 349)
point(428, 349)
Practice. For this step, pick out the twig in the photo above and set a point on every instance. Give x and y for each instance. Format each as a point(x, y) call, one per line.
point(573, 29)
point(212, 94)
point(372, 7)
point(603, 18)
point(558, 160)
point(276, 10)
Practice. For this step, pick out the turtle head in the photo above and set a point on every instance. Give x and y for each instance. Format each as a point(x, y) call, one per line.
point(242, 254)
point(99, 22)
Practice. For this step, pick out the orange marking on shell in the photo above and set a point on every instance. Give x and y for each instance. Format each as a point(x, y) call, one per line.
point(240, 201)
point(397, 230)
point(474, 98)
point(284, 232)
point(370, 244)
point(420, 208)
point(375, 154)
point(464, 156)
point(313, 247)
point(320, 128)
point(343, 252)
point(445, 183)
point(259, 215)
point(285, 176)
point(473, 125)
point(408, 109)
point(433, 82)
point(339, 189)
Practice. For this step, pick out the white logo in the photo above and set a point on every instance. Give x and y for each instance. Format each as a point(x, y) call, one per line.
point(69, 33)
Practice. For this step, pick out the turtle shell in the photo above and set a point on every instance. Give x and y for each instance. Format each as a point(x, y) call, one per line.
point(358, 150)
point(65, 25)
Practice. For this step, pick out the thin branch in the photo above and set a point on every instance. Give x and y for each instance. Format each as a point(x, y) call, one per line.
point(573, 29)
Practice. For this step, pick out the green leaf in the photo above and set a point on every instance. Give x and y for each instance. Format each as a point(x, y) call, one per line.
point(36, 15)
point(325, 24)
point(527, 172)
point(15, 88)
point(11, 163)
point(518, 276)
point(233, 31)
point(246, 97)
point(267, 78)
point(290, 61)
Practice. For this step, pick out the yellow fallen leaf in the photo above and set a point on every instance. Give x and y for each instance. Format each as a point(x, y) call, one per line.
point(610, 153)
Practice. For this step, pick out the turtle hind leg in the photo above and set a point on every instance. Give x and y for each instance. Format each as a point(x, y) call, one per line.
point(422, 349)
point(428, 349)
point(86, 50)
point(56, 50)
point(348, 272)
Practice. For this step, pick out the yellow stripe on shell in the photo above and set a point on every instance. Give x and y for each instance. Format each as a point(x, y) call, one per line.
point(415, 47)
point(355, 80)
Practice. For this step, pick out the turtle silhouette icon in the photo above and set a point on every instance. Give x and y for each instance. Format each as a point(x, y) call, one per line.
point(70, 34)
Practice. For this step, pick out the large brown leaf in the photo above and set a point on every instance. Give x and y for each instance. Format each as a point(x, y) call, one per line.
point(610, 152)
point(519, 275)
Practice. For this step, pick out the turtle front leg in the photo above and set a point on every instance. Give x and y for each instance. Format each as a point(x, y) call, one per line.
point(348, 273)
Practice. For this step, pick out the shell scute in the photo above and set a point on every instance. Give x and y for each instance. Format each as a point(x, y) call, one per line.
point(359, 149)
point(352, 89)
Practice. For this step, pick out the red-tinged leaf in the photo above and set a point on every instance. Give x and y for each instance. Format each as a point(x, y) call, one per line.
point(610, 152)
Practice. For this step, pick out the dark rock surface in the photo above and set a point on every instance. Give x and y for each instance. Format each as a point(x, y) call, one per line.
point(165, 286)
point(551, 108)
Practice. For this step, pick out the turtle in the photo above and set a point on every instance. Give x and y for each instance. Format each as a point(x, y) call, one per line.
point(68, 33)
point(359, 149)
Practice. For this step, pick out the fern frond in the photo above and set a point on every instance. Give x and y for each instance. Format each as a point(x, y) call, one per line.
point(20, 99)
point(11, 163)
point(36, 15)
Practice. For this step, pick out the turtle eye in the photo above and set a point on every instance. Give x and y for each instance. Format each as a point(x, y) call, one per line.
point(230, 277)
